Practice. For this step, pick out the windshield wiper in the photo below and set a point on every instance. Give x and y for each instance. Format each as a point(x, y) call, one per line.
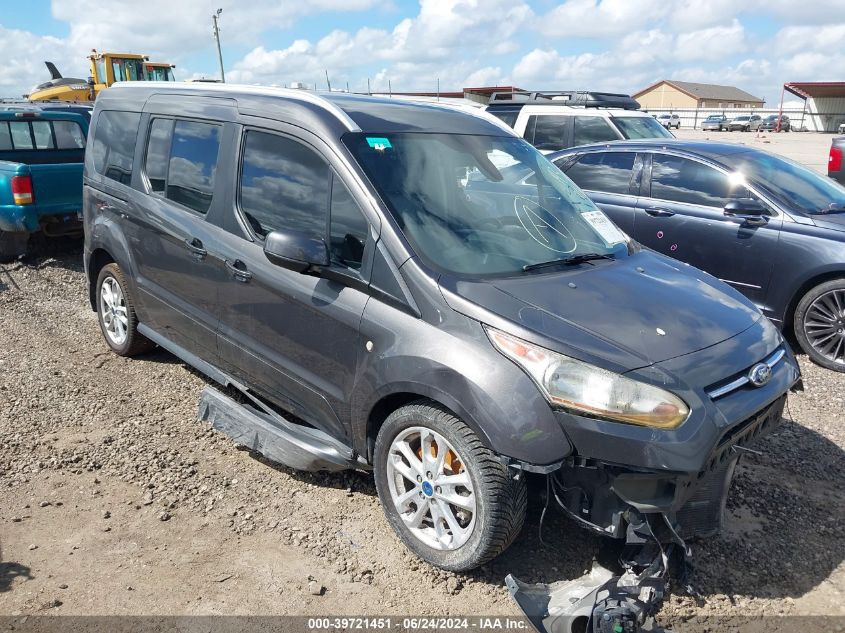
point(567, 261)
point(832, 208)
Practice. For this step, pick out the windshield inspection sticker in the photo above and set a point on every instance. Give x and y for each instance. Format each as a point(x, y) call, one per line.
point(378, 143)
point(604, 227)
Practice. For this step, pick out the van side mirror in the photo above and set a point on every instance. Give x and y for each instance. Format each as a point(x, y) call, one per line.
point(751, 211)
point(295, 250)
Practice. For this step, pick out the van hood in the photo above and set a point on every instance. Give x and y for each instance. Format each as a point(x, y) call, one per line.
point(631, 312)
point(833, 221)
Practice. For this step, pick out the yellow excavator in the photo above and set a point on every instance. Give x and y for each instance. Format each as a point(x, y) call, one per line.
point(106, 68)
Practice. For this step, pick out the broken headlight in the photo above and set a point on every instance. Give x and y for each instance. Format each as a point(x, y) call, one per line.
point(589, 390)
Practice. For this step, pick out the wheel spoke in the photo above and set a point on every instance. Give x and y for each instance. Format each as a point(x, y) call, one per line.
point(415, 520)
point(426, 443)
point(822, 308)
point(401, 502)
point(413, 460)
point(451, 519)
point(461, 479)
point(437, 519)
point(403, 469)
point(839, 345)
point(107, 295)
point(464, 502)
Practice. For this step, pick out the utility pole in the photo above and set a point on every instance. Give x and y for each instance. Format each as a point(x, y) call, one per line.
point(214, 18)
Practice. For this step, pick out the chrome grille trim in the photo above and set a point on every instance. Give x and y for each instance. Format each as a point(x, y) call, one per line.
point(743, 380)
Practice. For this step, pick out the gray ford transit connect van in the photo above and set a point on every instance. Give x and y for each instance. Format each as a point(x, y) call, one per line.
point(376, 271)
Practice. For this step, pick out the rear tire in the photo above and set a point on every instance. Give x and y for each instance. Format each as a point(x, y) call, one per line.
point(409, 479)
point(116, 313)
point(819, 324)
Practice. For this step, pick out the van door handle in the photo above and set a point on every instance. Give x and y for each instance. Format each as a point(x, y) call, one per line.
point(659, 212)
point(195, 247)
point(238, 270)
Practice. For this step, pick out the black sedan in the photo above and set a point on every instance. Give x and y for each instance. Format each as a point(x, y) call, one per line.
point(771, 228)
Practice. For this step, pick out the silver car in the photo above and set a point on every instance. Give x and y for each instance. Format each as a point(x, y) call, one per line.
point(715, 123)
point(745, 123)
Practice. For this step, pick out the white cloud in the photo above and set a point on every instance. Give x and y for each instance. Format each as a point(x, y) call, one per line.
point(447, 39)
point(23, 54)
point(714, 43)
point(588, 18)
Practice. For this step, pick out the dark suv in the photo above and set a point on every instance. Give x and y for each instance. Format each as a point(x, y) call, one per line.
point(773, 229)
point(368, 266)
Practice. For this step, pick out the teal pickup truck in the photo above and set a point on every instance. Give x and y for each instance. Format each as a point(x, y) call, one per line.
point(41, 158)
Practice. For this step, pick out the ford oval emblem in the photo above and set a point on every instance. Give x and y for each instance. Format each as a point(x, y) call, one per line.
point(760, 374)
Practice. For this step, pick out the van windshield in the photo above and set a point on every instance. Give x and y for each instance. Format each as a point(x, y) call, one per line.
point(482, 205)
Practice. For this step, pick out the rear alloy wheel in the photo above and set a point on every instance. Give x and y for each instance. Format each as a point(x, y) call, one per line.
point(820, 324)
point(116, 313)
point(447, 496)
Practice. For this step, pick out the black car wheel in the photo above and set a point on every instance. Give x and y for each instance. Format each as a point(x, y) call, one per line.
point(449, 498)
point(820, 324)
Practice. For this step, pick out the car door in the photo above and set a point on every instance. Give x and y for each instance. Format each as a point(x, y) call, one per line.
point(294, 337)
point(680, 213)
point(611, 179)
point(177, 280)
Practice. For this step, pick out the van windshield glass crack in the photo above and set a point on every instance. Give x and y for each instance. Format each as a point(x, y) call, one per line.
point(477, 205)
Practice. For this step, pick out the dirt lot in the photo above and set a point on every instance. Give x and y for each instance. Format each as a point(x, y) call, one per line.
point(115, 500)
point(809, 148)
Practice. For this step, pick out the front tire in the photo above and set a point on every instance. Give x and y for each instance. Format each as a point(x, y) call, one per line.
point(448, 497)
point(819, 324)
point(116, 313)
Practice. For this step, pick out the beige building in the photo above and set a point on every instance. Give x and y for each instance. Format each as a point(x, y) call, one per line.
point(685, 94)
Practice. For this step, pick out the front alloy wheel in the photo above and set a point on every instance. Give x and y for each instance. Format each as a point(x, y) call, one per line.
point(820, 324)
point(431, 489)
point(449, 498)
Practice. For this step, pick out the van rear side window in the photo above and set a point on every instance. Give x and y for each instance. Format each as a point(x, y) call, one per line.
point(182, 160)
point(114, 144)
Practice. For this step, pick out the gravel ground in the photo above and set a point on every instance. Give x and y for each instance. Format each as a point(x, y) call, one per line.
point(115, 500)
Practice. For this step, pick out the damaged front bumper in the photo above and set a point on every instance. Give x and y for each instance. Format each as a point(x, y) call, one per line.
point(656, 512)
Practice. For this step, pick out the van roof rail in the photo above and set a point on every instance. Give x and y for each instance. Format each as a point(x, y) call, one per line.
point(582, 98)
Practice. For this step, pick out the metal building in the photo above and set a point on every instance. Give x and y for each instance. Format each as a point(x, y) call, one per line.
point(824, 104)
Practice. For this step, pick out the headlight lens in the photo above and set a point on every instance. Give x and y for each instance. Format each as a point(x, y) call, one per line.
point(583, 388)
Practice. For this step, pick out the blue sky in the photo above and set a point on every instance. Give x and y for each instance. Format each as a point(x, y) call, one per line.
point(620, 45)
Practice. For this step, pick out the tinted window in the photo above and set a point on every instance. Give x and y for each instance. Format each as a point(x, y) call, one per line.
point(21, 136)
point(796, 185)
point(604, 171)
point(549, 131)
point(69, 135)
point(634, 127)
point(683, 180)
point(348, 228)
point(43, 135)
point(284, 185)
point(192, 165)
point(5, 137)
point(508, 116)
point(114, 144)
point(592, 129)
point(158, 153)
